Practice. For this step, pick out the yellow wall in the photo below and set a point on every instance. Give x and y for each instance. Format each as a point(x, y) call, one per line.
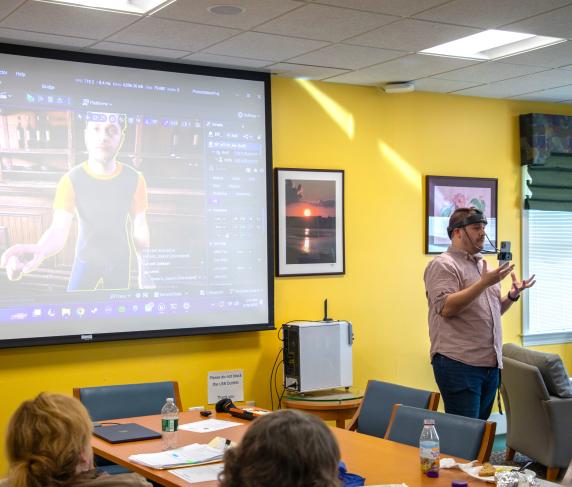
point(396, 141)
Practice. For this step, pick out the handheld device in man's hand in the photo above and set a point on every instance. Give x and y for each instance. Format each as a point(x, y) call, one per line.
point(504, 254)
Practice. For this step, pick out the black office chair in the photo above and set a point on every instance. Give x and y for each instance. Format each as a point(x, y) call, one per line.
point(459, 436)
point(374, 412)
point(125, 401)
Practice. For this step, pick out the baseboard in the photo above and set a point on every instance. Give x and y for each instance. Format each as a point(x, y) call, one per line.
point(500, 420)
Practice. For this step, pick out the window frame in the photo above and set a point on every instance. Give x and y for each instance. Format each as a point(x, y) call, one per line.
point(528, 338)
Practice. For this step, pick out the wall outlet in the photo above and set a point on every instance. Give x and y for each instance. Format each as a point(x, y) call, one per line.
point(196, 408)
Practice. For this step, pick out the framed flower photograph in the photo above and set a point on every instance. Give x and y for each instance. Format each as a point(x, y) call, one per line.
point(309, 222)
point(444, 194)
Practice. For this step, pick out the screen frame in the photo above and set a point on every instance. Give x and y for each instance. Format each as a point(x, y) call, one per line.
point(153, 65)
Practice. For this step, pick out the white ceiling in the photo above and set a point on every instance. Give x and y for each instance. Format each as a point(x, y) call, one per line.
point(364, 42)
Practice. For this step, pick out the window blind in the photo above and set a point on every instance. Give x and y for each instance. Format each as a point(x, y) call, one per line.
point(549, 186)
point(549, 250)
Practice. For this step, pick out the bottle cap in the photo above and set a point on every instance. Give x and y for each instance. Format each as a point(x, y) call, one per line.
point(459, 483)
point(169, 399)
point(433, 474)
point(428, 421)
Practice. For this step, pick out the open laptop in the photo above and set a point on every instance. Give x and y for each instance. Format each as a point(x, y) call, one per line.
point(122, 433)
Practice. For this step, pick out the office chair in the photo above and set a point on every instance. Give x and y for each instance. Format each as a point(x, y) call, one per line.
point(374, 412)
point(125, 401)
point(459, 436)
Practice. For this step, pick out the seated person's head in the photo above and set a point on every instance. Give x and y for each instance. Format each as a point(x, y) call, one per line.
point(48, 442)
point(286, 448)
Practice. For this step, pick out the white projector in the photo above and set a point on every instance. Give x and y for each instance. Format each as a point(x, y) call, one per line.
point(317, 355)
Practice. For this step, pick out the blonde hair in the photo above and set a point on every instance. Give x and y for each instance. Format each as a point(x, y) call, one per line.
point(47, 440)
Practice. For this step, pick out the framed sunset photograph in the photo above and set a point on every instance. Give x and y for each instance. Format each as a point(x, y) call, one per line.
point(444, 194)
point(309, 222)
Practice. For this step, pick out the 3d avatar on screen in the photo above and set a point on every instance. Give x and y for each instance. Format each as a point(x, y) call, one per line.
point(110, 201)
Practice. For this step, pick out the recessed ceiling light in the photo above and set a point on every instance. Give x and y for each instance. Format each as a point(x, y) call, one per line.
point(492, 44)
point(131, 6)
point(226, 9)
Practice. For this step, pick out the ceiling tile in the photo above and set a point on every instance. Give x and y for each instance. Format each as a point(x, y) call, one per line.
point(402, 8)
point(489, 72)
point(7, 6)
point(442, 85)
point(172, 34)
point(486, 91)
point(139, 51)
point(256, 12)
point(265, 46)
point(324, 23)
point(411, 35)
point(42, 40)
point(557, 23)
point(538, 81)
point(320, 39)
point(413, 67)
point(49, 18)
point(488, 14)
point(562, 93)
point(215, 60)
point(287, 70)
point(518, 86)
point(548, 57)
point(354, 78)
point(348, 57)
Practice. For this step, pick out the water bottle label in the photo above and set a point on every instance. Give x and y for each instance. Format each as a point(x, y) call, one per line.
point(170, 425)
point(429, 459)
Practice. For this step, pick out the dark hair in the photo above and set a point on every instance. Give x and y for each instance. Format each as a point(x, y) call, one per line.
point(45, 442)
point(286, 448)
point(462, 217)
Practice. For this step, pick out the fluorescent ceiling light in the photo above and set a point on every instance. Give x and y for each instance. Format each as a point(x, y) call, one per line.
point(492, 44)
point(131, 6)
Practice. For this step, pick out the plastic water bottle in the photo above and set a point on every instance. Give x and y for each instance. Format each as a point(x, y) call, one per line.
point(429, 449)
point(169, 424)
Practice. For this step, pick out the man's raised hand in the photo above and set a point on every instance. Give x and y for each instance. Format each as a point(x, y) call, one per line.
point(21, 259)
point(518, 286)
point(495, 275)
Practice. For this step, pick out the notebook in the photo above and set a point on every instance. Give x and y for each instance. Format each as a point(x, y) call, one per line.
point(122, 433)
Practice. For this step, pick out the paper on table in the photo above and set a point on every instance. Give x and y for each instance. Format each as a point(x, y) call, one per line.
point(451, 463)
point(195, 475)
point(208, 425)
point(186, 455)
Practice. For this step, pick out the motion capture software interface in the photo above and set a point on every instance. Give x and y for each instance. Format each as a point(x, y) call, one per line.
point(198, 142)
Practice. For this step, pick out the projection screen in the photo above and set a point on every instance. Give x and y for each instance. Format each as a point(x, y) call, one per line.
point(134, 198)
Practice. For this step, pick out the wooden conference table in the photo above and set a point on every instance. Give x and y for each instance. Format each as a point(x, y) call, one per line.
point(379, 461)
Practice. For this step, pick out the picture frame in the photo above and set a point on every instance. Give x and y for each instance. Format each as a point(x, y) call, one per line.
point(446, 193)
point(309, 216)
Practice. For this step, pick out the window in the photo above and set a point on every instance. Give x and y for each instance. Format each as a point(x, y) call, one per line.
point(547, 252)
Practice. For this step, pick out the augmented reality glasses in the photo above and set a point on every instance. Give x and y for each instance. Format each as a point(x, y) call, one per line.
point(476, 217)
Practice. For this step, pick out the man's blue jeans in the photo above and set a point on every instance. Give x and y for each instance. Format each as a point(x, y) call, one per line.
point(466, 390)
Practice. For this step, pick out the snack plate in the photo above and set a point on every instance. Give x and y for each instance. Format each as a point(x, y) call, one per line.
point(474, 472)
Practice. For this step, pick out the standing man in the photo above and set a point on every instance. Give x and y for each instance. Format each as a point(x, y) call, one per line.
point(110, 201)
point(465, 306)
